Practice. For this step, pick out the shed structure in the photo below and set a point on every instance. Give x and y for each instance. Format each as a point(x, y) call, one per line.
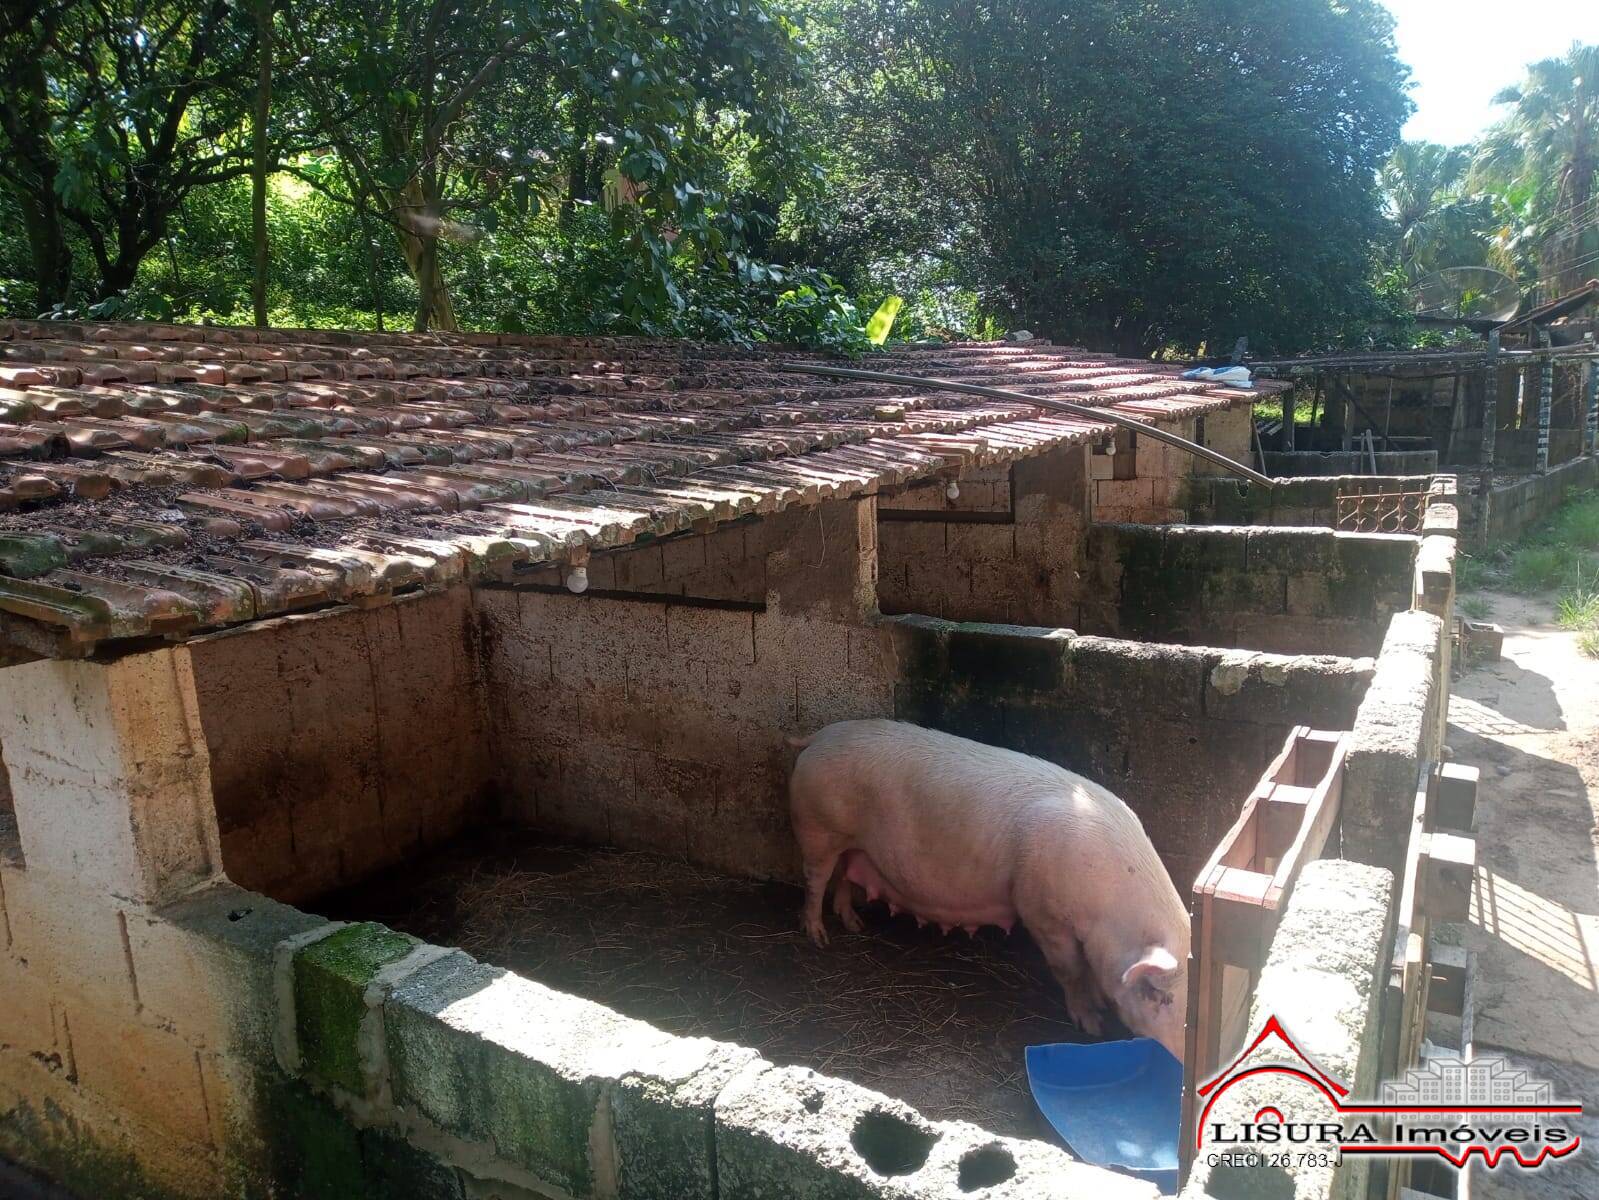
point(280, 611)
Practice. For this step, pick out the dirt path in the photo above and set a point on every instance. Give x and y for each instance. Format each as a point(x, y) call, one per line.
point(1530, 722)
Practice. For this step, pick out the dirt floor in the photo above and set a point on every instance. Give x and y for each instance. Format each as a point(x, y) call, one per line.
point(938, 1022)
point(1530, 722)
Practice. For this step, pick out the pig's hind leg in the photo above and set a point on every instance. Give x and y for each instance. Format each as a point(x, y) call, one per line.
point(844, 899)
point(820, 851)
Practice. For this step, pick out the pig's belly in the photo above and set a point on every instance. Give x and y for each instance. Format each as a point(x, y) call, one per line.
point(946, 910)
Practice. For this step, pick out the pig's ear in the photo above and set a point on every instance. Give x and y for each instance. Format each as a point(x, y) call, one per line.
point(1156, 968)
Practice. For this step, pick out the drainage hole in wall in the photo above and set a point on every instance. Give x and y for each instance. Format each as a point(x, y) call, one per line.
point(891, 1145)
point(812, 1103)
point(985, 1167)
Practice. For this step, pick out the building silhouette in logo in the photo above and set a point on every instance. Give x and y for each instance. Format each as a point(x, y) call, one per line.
point(1488, 1080)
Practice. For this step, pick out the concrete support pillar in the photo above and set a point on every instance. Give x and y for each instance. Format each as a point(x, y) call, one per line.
point(110, 775)
point(1590, 441)
point(1546, 396)
point(822, 561)
point(1490, 397)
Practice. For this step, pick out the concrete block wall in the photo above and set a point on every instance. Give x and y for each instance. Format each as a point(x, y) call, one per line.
point(1025, 570)
point(168, 1034)
point(115, 1077)
point(1180, 733)
point(647, 721)
point(1309, 501)
point(1513, 507)
point(1231, 433)
point(719, 565)
point(1349, 462)
point(1278, 589)
point(983, 490)
point(342, 742)
point(258, 1052)
point(1398, 729)
point(1151, 489)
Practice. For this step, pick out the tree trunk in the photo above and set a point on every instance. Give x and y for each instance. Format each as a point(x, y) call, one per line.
point(47, 247)
point(118, 275)
point(434, 309)
point(26, 122)
point(419, 241)
point(258, 172)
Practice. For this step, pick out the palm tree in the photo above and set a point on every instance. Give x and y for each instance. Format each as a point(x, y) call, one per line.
point(1547, 150)
point(1438, 223)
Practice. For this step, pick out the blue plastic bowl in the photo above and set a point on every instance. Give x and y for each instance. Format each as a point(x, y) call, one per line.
point(1114, 1104)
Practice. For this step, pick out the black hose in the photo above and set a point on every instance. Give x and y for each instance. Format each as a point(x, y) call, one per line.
point(1064, 406)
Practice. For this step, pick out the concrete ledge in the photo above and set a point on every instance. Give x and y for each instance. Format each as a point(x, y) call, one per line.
point(1435, 575)
point(786, 1133)
point(1258, 587)
point(586, 1100)
point(1399, 726)
point(1349, 462)
point(331, 976)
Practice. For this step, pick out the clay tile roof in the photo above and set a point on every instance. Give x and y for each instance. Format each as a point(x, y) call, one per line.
point(161, 480)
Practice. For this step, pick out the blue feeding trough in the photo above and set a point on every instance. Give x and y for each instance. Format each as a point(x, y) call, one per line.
point(1114, 1104)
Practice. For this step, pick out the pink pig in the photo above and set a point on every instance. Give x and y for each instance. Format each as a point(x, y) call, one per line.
point(962, 834)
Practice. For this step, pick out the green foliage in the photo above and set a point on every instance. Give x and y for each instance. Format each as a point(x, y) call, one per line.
point(1562, 552)
point(1476, 607)
point(1439, 222)
point(1578, 609)
point(1125, 176)
point(877, 329)
point(1471, 572)
point(1138, 177)
point(1543, 157)
point(1536, 568)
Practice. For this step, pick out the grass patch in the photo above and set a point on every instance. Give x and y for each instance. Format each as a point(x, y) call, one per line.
point(1471, 572)
point(1536, 568)
point(1560, 554)
point(1271, 409)
point(1578, 610)
point(1475, 607)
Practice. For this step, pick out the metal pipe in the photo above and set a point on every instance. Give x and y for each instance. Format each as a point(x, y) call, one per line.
point(1064, 406)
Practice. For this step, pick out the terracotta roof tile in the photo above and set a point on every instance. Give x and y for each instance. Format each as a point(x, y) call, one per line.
point(160, 480)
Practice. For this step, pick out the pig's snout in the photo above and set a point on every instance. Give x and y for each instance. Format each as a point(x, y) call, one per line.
point(1152, 998)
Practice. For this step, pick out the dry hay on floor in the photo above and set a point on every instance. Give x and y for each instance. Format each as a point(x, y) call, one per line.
point(940, 1022)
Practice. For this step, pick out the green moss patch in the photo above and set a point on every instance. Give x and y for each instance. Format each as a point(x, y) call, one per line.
point(330, 980)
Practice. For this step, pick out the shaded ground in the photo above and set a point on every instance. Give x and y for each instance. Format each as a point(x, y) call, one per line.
point(940, 1023)
point(1531, 723)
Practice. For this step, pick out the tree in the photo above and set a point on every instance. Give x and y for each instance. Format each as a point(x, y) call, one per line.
point(440, 115)
point(1438, 221)
point(29, 162)
point(1137, 176)
point(262, 161)
point(1547, 147)
point(122, 108)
